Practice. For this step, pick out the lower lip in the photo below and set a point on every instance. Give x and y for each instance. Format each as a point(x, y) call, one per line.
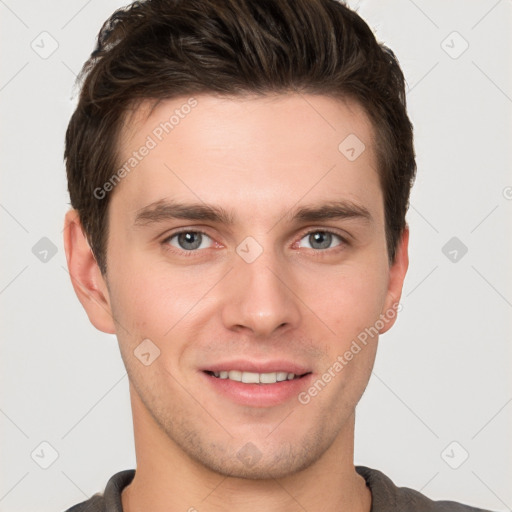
point(258, 395)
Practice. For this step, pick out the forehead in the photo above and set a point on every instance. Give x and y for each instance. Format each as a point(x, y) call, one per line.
point(261, 151)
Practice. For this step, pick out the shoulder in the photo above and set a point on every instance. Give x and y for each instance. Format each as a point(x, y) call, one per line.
point(94, 504)
point(110, 499)
point(387, 497)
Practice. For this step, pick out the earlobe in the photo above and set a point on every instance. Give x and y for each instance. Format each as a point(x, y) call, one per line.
point(397, 272)
point(86, 277)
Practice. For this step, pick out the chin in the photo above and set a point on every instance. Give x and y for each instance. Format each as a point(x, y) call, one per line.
point(259, 459)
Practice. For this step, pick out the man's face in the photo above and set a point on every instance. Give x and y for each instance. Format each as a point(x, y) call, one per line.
point(284, 284)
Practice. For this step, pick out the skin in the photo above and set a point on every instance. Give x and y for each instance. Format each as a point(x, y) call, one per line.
point(259, 158)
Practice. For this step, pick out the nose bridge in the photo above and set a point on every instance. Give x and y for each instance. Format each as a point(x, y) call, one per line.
point(257, 298)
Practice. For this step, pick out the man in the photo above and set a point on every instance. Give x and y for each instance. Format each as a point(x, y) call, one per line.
point(239, 173)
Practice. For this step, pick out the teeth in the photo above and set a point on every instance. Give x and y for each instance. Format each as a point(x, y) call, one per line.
point(281, 376)
point(268, 378)
point(250, 378)
point(235, 375)
point(255, 378)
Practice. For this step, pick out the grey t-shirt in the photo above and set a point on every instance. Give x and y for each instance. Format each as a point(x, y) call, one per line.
point(386, 496)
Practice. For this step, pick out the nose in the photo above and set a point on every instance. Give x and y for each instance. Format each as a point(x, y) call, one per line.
point(259, 298)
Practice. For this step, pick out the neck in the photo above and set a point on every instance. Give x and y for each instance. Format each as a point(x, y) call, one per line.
point(167, 479)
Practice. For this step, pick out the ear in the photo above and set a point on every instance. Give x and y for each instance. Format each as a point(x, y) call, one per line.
point(397, 273)
point(86, 278)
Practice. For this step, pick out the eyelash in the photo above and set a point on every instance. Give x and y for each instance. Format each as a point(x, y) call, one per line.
point(320, 252)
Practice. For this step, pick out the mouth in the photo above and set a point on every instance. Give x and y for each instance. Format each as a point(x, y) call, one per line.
point(254, 377)
point(259, 385)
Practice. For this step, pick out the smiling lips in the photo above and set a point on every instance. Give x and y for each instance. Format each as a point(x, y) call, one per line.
point(254, 372)
point(256, 383)
point(254, 377)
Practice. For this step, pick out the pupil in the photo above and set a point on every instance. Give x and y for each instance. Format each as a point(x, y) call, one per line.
point(189, 240)
point(320, 240)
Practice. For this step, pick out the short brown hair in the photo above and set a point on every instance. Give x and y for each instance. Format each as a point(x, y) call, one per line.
point(160, 49)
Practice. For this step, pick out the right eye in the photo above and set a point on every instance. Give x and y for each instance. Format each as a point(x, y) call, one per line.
point(189, 240)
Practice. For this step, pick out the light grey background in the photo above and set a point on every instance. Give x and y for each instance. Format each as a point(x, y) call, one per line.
point(442, 373)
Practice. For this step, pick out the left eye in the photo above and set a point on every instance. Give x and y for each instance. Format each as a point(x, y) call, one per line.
point(320, 240)
point(190, 240)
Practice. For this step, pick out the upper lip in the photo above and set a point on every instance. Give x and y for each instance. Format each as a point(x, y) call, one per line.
point(244, 365)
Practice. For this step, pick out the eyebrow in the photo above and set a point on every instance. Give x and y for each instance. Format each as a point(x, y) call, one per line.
point(166, 209)
point(331, 210)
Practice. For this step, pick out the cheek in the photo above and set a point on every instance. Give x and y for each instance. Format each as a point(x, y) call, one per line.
point(149, 307)
point(152, 300)
point(347, 300)
point(350, 305)
point(152, 307)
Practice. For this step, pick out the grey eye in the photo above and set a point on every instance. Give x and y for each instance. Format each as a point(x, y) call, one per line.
point(190, 240)
point(320, 240)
